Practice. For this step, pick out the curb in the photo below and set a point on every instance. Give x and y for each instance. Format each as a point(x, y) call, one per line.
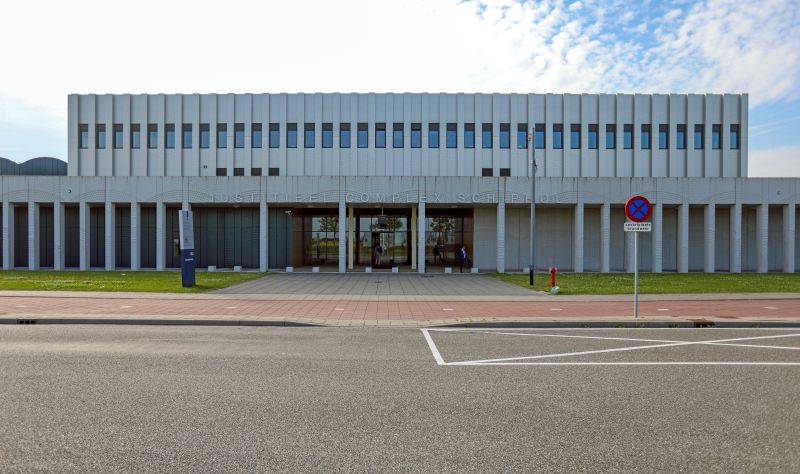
point(699, 323)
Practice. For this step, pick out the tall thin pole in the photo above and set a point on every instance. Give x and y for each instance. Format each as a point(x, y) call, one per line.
point(635, 275)
point(533, 207)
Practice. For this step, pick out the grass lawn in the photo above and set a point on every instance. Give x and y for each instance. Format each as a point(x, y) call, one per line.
point(654, 283)
point(167, 282)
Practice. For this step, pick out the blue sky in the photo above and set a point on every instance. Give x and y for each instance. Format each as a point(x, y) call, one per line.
point(95, 46)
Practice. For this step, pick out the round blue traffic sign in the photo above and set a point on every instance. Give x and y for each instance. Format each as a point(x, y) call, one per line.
point(638, 209)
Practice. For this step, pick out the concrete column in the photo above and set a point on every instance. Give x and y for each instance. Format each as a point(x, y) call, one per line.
point(110, 234)
point(84, 234)
point(33, 236)
point(605, 237)
point(683, 238)
point(629, 251)
point(789, 237)
point(762, 237)
point(709, 226)
point(263, 236)
point(58, 236)
point(342, 236)
point(658, 237)
point(8, 235)
point(736, 238)
point(501, 237)
point(577, 239)
point(136, 218)
point(351, 233)
point(161, 231)
point(421, 237)
point(413, 238)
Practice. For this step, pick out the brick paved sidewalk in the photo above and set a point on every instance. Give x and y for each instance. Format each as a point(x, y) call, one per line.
point(348, 311)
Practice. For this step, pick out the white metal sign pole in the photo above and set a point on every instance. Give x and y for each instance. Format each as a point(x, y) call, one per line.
point(635, 275)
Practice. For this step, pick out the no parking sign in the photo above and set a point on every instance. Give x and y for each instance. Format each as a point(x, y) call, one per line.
point(638, 209)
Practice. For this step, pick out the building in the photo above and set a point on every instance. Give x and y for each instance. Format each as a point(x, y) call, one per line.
point(318, 180)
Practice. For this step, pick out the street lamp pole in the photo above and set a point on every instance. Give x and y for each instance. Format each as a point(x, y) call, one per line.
point(533, 207)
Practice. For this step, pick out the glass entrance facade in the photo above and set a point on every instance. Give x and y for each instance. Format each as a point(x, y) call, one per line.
point(393, 234)
point(446, 230)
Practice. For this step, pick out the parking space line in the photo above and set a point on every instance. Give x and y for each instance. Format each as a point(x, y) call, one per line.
point(535, 360)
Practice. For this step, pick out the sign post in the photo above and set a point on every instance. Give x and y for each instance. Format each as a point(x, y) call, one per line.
point(186, 227)
point(638, 210)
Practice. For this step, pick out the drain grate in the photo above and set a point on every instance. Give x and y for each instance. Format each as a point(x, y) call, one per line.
point(703, 323)
point(26, 321)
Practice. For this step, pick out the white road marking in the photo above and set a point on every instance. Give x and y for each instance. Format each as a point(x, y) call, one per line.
point(770, 307)
point(527, 360)
point(662, 309)
point(555, 309)
point(447, 309)
point(338, 309)
point(434, 350)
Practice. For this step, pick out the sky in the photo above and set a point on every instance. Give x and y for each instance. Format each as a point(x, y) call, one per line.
point(54, 48)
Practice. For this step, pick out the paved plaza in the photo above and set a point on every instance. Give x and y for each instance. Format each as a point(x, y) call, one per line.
point(358, 284)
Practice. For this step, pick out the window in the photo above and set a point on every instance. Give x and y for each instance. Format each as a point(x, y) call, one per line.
point(627, 136)
point(397, 135)
point(83, 135)
point(486, 172)
point(380, 135)
point(238, 136)
point(362, 137)
point(734, 136)
point(698, 137)
point(611, 136)
point(117, 135)
point(575, 136)
point(255, 171)
point(469, 135)
point(152, 135)
point(433, 135)
point(136, 136)
point(522, 136)
point(222, 135)
point(169, 135)
point(274, 135)
point(222, 171)
point(255, 137)
point(291, 135)
point(274, 171)
point(186, 138)
point(592, 136)
point(205, 135)
point(539, 140)
point(680, 137)
point(416, 135)
point(486, 135)
point(558, 136)
point(100, 135)
point(344, 135)
point(663, 136)
point(309, 138)
point(238, 171)
point(645, 136)
point(716, 131)
point(505, 135)
point(505, 171)
point(327, 135)
point(451, 137)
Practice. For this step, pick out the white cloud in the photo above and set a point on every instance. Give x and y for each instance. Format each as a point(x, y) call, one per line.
point(774, 162)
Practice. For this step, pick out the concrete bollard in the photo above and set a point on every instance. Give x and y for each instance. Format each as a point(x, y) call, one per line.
point(395, 270)
point(289, 269)
point(368, 269)
point(237, 268)
point(314, 269)
point(474, 270)
point(448, 269)
point(212, 268)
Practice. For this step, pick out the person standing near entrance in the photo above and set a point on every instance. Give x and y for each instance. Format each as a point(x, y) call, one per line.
point(462, 258)
point(378, 252)
point(437, 253)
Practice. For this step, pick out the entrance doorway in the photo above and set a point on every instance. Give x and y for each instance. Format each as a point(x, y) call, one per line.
point(393, 234)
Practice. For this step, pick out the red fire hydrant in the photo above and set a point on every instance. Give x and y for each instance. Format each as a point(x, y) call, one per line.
point(553, 271)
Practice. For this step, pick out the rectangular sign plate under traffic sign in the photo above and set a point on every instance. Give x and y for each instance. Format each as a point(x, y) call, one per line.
point(638, 226)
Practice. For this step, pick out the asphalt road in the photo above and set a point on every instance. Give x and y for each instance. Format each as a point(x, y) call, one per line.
point(134, 398)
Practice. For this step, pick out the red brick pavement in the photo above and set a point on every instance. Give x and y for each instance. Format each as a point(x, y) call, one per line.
point(390, 310)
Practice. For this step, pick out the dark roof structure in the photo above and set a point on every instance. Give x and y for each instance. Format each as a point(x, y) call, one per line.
point(42, 166)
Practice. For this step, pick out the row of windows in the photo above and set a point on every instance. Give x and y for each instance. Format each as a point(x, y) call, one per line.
point(398, 136)
point(276, 172)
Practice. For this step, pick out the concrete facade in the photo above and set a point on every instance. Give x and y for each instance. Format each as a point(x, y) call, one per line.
point(261, 203)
